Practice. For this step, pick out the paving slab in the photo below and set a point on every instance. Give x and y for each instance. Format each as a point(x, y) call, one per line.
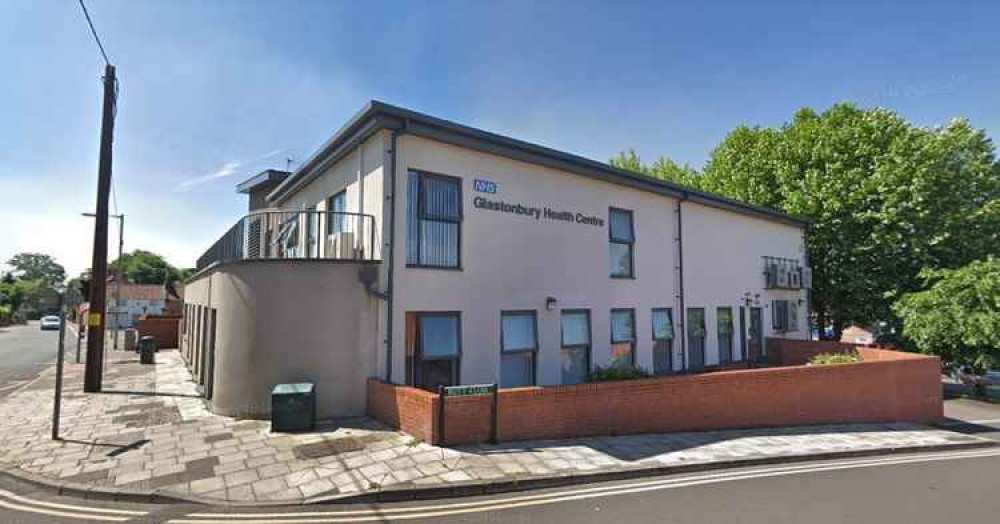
point(150, 432)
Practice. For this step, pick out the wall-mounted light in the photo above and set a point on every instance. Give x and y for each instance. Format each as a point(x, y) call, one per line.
point(550, 303)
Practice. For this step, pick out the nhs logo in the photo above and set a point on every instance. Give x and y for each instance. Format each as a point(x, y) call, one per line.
point(484, 186)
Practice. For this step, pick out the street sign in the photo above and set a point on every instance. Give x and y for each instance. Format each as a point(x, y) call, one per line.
point(468, 391)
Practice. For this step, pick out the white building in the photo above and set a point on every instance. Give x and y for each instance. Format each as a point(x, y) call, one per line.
point(425, 252)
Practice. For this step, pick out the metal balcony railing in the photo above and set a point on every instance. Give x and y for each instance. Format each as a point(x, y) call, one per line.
point(296, 235)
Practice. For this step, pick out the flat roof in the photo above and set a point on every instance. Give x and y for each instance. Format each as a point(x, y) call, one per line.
point(376, 116)
point(264, 177)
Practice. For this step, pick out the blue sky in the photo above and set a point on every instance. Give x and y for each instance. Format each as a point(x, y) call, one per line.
point(212, 92)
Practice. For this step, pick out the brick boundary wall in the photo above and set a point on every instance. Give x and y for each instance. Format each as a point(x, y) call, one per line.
point(406, 408)
point(162, 328)
point(887, 386)
point(784, 352)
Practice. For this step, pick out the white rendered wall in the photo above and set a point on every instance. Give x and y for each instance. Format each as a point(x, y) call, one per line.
point(514, 262)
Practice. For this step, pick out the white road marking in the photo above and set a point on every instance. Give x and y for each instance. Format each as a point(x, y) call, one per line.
point(550, 498)
point(64, 514)
point(964, 422)
point(70, 507)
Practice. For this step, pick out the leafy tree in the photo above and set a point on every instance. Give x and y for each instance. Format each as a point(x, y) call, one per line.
point(35, 266)
point(21, 294)
point(145, 267)
point(957, 315)
point(885, 198)
point(664, 168)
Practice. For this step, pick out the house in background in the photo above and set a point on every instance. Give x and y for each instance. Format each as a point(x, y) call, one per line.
point(135, 301)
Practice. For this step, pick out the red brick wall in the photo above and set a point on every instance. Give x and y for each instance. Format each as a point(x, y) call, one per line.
point(163, 329)
point(797, 352)
point(888, 386)
point(409, 409)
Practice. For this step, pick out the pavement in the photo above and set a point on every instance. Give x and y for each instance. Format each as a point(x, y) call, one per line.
point(149, 436)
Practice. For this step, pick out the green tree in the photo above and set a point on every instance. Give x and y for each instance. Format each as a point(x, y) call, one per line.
point(145, 267)
point(885, 198)
point(957, 315)
point(664, 168)
point(35, 266)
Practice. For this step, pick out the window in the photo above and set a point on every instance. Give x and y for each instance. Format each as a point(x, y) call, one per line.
point(335, 222)
point(623, 337)
point(779, 315)
point(312, 223)
point(724, 325)
point(519, 346)
point(793, 316)
point(575, 348)
point(288, 235)
point(663, 341)
point(433, 349)
point(434, 220)
point(622, 241)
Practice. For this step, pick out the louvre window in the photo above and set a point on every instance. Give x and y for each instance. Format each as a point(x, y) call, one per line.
point(663, 341)
point(779, 315)
point(434, 220)
point(519, 347)
point(575, 348)
point(623, 337)
point(724, 323)
point(433, 349)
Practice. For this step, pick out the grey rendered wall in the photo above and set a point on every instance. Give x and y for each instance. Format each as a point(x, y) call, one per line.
point(282, 321)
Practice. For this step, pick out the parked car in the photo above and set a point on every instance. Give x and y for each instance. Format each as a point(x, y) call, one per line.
point(986, 384)
point(50, 322)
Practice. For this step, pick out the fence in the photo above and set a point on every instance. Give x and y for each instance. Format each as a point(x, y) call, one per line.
point(162, 328)
point(296, 234)
point(886, 386)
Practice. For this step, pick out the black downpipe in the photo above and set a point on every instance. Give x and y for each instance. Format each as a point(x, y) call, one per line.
point(392, 251)
point(680, 283)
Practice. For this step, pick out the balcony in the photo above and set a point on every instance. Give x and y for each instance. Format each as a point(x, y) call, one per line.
point(302, 235)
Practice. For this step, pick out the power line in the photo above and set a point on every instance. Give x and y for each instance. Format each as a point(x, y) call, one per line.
point(94, 32)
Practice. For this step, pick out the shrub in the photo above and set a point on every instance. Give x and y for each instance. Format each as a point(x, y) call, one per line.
point(613, 373)
point(835, 358)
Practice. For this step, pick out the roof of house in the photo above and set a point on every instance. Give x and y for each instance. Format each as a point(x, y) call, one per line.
point(264, 177)
point(376, 116)
point(138, 292)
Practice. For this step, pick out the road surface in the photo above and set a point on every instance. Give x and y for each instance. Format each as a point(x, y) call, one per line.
point(25, 350)
point(911, 489)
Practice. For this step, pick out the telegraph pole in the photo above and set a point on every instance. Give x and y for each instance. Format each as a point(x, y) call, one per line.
point(93, 375)
point(119, 272)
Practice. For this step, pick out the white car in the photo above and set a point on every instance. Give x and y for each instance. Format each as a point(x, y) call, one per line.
point(50, 322)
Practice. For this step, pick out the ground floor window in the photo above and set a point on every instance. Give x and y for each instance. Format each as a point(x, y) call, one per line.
point(575, 347)
point(663, 341)
point(519, 347)
point(623, 337)
point(433, 349)
point(696, 338)
point(724, 330)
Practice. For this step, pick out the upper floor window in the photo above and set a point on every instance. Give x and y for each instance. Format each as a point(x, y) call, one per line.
point(621, 235)
point(434, 220)
point(335, 221)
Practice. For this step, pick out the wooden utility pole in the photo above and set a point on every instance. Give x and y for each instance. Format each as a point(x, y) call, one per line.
point(93, 375)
